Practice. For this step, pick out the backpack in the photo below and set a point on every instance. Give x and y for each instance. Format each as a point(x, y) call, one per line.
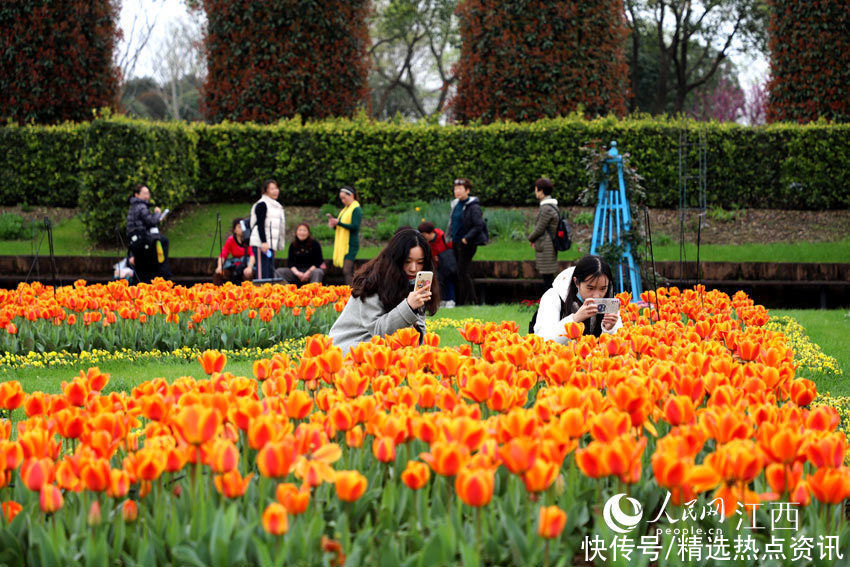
point(562, 239)
point(534, 317)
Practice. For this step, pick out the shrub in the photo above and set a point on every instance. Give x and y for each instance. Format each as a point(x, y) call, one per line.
point(530, 59)
point(14, 227)
point(56, 59)
point(585, 218)
point(40, 165)
point(268, 60)
point(809, 45)
point(120, 153)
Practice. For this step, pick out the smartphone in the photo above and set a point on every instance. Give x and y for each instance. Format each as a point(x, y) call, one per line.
point(422, 278)
point(607, 305)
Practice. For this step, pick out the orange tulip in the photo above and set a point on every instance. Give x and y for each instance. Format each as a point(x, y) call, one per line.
point(518, 455)
point(679, 410)
point(331, 360)
point(298, 404)
point(197, 423)
point(95, 379)
point(415, 475)
point(354, 437)
point(551, 522)
point(119, 484)
point(37, 473)
point(94, 516)
point(830, 485)
point(50, 498)
point(609, 425)
point(803, 392)
point(223, 456)
point(473, 332)
point(275, 459)
point(275, 520)
point(474, 486)
point(212, 361)
point(95, 475)
point(350, 485)
point(231, 484)
point(9, 510)
point(447, 362)
point(823, 418)
point(540, 476)
point(573, 331)
point(352, 383)
point(384, 449)
point(293, 499)
point(782, 478)
point(827, 450)
point(11, 395)
point(129, 511)
point(593, 460)
point(445, 459)
point(780, 444)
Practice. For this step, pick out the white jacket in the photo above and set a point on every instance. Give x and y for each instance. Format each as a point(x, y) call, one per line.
point(549, 324)
point(275, 224)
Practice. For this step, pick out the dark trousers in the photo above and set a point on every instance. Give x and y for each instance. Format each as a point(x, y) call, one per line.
point(145, 261)
point(465, 286)
point(264, 270)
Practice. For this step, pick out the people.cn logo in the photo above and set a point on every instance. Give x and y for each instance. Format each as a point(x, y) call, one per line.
point(619, 521)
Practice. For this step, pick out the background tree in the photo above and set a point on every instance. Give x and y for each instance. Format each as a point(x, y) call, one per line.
point(180, 69)
point(414, 45)
point(56, 59)
point(272, 59)
point(692, 40)
point(809, 45)
point(528, 59)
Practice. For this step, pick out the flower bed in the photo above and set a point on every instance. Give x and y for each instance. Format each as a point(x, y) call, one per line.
point(161, 316)
point(510, 450)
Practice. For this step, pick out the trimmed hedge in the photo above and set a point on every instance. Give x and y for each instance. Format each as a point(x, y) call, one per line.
point(120, 153)
point(787, 166)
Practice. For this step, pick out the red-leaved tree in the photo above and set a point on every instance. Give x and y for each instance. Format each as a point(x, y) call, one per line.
point(528, 59)
point(809, 47)
point(56, 59)
point(272, 59)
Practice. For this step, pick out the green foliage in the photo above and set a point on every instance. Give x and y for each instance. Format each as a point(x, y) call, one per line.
point(778, 166)
point(508, 224)
point(386, 229)
point(524, 60)
point(14, 227)
point(56, 59)
point(120, 153)
point(39, 165)
point(585, 218)
point(809, 46)
point(722, 215)
point(268, 60)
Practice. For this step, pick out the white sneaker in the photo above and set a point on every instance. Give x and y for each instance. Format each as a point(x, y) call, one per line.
point(450, 304)
point(442, 304)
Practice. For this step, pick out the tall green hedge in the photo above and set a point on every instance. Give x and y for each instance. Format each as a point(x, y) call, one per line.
point(96, 164)
point(120, 153)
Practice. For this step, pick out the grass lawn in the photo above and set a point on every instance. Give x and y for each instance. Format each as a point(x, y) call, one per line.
point(830, 330)
point(192, 235)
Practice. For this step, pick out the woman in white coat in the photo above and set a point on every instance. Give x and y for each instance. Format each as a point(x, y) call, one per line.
point(571, 300)
point(268, 224)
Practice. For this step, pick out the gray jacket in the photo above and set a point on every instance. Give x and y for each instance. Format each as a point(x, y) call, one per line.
point(139, 217)
point(545, 255)
point(366, 317)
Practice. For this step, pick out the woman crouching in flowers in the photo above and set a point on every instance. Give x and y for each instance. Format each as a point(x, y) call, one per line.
point(571, 300)
point(382, 296)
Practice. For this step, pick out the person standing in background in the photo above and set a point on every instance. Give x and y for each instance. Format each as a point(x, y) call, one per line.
point(268, 224)
point(467, 232)
point(545, 255)
point(347, 237)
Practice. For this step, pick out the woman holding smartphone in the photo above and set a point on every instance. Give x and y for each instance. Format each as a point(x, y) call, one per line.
point(573, 299)
point(383, 297)
point(347, 236)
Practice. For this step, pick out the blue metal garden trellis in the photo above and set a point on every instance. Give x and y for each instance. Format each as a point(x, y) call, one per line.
point(612, 220)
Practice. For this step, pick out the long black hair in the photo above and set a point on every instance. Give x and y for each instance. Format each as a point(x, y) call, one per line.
point(588, 268)
point(385, 275)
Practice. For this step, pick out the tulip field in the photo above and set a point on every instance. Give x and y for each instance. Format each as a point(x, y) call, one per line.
point(686, 438)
